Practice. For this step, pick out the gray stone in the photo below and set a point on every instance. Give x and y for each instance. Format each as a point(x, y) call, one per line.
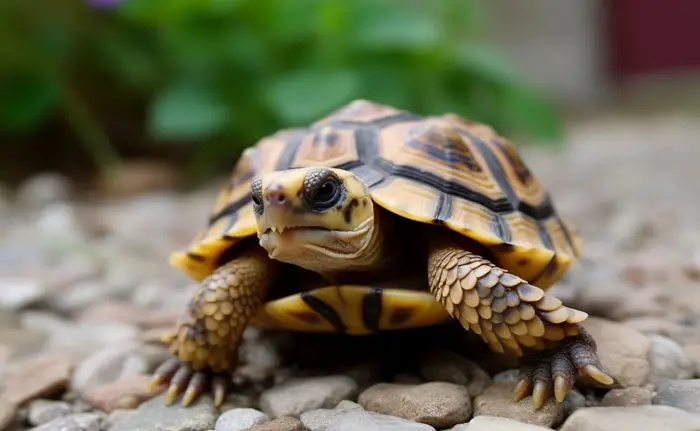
point(446, 366)
point(240, 419)
point(298, 395)
point(668, 360)
point(633, 418)
point(357, 420)
point(497, 400)
point(439, 404)
point(155, 415)
point(16, 293)
point(495, 423)
point(623, 351)
point(682, 394)
point(108, 365)
point(76, 422)
point(634, 396)
point(43, 189)
point(42, 411)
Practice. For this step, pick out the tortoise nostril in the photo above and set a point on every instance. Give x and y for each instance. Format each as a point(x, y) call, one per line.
point(276, 197)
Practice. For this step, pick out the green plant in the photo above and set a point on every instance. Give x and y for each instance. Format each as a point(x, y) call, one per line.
point(224, 73)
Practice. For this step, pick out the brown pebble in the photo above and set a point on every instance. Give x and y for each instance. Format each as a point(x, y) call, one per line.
point(284, 423)
point(127, 393)
point(44, 376)
point(633, 396)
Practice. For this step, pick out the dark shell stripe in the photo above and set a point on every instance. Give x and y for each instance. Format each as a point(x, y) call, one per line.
point(443, 170)
point(352, 309)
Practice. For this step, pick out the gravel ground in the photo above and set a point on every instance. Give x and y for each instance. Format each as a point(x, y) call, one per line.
point(85, 288)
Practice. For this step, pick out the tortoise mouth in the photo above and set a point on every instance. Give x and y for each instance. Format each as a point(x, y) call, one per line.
point(282, 229)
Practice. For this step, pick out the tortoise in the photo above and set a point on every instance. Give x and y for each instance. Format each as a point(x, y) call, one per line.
point(395, 220)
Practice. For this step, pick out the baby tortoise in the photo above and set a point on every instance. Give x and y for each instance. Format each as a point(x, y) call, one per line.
point(406, 221)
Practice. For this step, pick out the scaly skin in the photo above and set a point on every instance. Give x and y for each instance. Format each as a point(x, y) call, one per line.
point(205, 341)
point(511, 314)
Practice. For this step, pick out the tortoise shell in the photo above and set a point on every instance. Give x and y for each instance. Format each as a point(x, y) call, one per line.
point(443, 170)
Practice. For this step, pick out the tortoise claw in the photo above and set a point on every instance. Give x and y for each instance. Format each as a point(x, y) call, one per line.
point(555, 372)
point(183, 380)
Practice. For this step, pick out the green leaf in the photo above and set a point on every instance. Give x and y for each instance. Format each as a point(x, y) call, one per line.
point(188, 111)
point(305, 95)
point(397, 27)
point(524, 110)
point(486, 62)
point(27, 100)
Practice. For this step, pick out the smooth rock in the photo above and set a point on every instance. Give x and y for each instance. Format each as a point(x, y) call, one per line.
point(682, 394)
point(668, 360)
point(692, 351)
point(495, 423)
point(43, 189)
point(75, 422)
point(439, 404)
point(633, 396)
point(240, 419)
point(298, 395)
point(633, 418)
point(348, 405)
point(446, 366)
point(40, 377)
point(108, 365)
point(16, 293)
point(43, 411)
point(126, 393)
point(155, 415)
point(284, 423)
point(116, 416)
point(497, 400)
point(623, 351)
point(124, 312)
point(357, 420)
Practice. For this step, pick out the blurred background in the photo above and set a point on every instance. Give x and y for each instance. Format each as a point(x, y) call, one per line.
point(120, 120)
point(177, 88)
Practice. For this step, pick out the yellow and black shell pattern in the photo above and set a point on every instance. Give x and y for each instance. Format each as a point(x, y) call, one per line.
point(443, 170)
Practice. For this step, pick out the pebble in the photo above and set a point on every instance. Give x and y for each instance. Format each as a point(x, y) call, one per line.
point(284, 423)
point(42, 411)
point(16, 293)
point(668, 360)
point(43, 189)
point(495, 423)
point(634, 418)
point(497, 400)
point(634, 396)
point(439, 404)
point(683, 394)
point(42, 376)
point(446, 366)
point(108, 365)
point(358, 420)
point(692, 351)
point(298, 395)
point(75, 422)
point(126, 393)
point(240, 419)
point(623, 351)
point(155, 415)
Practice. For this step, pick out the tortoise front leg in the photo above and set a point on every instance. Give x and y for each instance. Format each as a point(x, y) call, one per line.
point(206, 339)
point(510, 314)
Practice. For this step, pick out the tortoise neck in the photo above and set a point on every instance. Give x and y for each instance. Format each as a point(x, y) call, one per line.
point(374, 254)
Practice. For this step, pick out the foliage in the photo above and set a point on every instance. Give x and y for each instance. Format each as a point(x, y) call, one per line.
point(223, 73)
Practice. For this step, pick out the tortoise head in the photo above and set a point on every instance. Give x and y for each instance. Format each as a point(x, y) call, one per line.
point(316, 218)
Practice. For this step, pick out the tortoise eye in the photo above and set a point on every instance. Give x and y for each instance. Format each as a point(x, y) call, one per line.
point(327, 194)
point(256, 191)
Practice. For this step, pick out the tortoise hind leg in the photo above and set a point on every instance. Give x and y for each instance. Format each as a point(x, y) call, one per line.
point(512, 315)
point(206, 339)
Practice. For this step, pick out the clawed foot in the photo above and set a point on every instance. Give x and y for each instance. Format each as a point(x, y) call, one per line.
point(182, 378)
point(556, 371)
